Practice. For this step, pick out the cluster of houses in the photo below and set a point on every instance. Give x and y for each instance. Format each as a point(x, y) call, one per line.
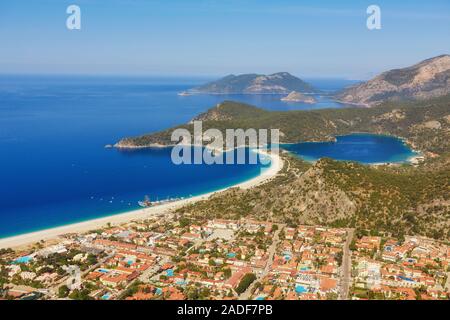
point(219, 255)
point(179, 259)
point(33, 273)
point(306, 265)
point(155, 259)
point(385, 268)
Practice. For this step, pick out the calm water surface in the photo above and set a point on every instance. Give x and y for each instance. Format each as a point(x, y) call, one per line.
point(364, 148)
point(54, 167)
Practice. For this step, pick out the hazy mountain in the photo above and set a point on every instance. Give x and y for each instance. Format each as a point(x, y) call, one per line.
point(277, 83)
point(427, 79)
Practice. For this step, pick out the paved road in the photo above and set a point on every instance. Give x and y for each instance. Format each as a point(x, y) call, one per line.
point(272, 249)
point(346, 267)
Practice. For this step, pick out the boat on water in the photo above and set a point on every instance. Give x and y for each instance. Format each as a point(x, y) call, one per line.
point(146, 202)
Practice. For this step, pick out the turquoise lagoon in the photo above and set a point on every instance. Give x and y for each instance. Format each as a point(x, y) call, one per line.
point(360, 147)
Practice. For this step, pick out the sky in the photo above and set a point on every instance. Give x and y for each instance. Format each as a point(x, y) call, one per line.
point(314, 38)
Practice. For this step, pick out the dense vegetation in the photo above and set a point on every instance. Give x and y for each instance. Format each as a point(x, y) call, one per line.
point(398, 200)
point(245, 282)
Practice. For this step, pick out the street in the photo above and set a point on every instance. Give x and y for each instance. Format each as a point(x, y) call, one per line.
point(272, 249)
point(346, 267)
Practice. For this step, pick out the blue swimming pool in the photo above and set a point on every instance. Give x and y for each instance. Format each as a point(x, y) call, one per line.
point(106, 296)
point(300, 289)
point(406, 279)
point(169, 272)
point(25, 259)
point(304, 269)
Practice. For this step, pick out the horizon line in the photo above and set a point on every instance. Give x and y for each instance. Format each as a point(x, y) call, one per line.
point(161, 75)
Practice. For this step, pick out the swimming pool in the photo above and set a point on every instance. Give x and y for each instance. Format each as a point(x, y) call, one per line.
point(406, 279)
point(304, 269)
point(169, 272)
point(106, 296)
point(300, 289)
point(25, 259)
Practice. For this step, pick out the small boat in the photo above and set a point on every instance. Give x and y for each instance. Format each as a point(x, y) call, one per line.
point(145, 203)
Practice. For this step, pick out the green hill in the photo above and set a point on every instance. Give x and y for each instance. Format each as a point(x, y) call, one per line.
point(405, 200)
point(424, 125)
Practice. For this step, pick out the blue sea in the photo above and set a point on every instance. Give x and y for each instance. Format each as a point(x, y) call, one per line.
point(54, 169)
point(361, 147)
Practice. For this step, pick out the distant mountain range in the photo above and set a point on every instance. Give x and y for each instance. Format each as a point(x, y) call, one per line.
point(427, 79)
point(277, 83)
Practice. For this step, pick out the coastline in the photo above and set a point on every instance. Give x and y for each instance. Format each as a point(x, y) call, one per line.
point(52, 233)
point(193, 93)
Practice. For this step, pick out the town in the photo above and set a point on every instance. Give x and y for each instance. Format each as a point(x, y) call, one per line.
point(183, 258)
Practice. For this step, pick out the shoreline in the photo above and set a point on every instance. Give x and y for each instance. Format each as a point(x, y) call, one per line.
point(26, 239)
point(193, 93)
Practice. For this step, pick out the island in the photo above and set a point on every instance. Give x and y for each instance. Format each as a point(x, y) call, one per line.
point(277, 83)
point(295, 96)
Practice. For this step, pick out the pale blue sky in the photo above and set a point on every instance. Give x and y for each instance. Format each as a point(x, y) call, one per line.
point(216, 37)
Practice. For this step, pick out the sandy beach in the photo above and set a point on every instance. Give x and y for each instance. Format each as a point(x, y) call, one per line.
point(48, 234)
